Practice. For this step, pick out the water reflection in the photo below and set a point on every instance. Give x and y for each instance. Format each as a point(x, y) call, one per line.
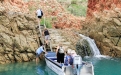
point(17, 69)
point(26, 68)
point(49, 71)
point(102, 66)
point(105, 65)
point(42, 69)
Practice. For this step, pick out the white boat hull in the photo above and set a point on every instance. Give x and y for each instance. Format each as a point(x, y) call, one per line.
point(87, 68)
point(54, 67)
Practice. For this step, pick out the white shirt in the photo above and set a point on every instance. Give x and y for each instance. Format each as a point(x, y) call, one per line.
point(40, 50)
point(39, 12)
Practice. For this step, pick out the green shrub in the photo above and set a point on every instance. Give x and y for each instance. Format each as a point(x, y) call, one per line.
point(78, 10)
point(47, 22)
point(77, 7)
point(74, 2)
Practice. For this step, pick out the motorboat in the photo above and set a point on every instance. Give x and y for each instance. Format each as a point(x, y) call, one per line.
point(85, 69)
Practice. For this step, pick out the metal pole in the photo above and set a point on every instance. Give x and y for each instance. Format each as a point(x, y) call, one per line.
point(44, 15)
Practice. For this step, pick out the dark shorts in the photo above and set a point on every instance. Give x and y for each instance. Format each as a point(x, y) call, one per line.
point(39, 17)
point(37, 55)
point(60, 57)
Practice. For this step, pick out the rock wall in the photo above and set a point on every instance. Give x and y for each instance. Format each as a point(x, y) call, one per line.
point(105, 25)
point(101, 5)
point(59, 17)
point(15, 5)
point(18, 36)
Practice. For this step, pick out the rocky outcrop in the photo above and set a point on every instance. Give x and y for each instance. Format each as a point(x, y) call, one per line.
point(105, 26)
point(15, 5)
point(100, 5)
point(59, 17)
point(18, 37)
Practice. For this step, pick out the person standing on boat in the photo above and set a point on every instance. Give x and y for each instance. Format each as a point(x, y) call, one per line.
point(60, 54)
point(68, 59)
point(39, 52)
point(77, 64)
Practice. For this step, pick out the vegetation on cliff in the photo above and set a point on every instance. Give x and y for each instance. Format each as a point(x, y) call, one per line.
point(76, 7)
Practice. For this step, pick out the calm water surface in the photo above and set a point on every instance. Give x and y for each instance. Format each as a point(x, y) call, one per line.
point(27, 68)
point(106, 65)
point(102, 66)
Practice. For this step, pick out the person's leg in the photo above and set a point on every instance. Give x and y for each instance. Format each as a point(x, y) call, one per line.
point(39, 25)
point(39, 20)
point(37, 58)
point(42, 56)
point(79, 69)
point(58, 57)
point(46, 39)
point(62, 59)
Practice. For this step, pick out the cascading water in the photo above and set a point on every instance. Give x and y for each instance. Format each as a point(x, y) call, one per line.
point(92, 45)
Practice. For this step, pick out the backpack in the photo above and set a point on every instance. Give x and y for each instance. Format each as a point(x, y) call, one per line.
point(61, 50)
point(41, 12)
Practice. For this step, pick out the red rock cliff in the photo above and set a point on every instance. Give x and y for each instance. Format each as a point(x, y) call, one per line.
point(100, 5)
point(15, 5)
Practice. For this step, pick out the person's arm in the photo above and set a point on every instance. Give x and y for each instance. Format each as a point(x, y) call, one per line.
point(57, 50)
point(44, 50)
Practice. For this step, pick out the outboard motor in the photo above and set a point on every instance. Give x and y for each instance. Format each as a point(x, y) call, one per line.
point(77, 64)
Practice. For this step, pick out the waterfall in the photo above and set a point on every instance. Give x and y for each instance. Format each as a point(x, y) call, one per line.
point(92, 45)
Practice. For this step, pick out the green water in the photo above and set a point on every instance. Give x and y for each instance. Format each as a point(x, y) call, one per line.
point(102, 66)
point(27, 68)
point(106, 65)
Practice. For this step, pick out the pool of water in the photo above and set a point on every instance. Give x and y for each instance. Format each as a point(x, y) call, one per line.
point(106, 65)
point(102, 66)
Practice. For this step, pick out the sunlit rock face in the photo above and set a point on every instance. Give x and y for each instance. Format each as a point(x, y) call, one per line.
point(57, 13)
point(15, 5)
point(18, 35)
point(104, 20)
point(101, 5)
